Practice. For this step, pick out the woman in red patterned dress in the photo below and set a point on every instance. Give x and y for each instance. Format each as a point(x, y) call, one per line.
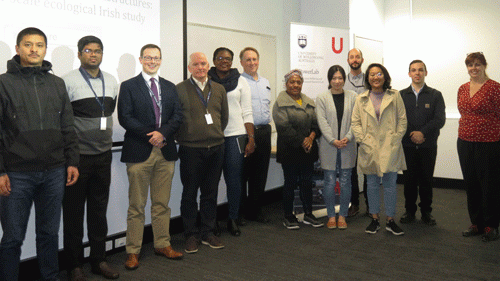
point(479, 147)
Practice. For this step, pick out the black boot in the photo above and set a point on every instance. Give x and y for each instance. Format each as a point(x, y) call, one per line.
point(233, 228)
point(217, 230)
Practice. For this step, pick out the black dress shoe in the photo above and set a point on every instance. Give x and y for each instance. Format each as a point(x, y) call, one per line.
point(263, 219)
point(217, 230)
point(77, 275)
point(407, 218)
point(233, 228)
point(241, 221)
point(104, 269)
point(259, 218)
point(428, 219)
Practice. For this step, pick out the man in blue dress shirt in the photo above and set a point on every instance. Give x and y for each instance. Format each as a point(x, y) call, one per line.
point(257, 164)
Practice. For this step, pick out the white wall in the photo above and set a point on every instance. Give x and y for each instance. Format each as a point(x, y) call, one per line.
point(263, 17)
point(366, 19)
point(326, 13)
point(441, 33)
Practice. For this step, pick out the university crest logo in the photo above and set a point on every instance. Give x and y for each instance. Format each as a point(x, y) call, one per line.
point(302, 40)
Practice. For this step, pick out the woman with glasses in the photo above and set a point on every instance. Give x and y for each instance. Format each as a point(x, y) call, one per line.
point(239, 134)
point(379, 124)
point(337, 148)
point(478, 147)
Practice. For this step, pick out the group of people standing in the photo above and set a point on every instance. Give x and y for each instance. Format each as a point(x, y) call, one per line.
point(55, 148)
point(365, 124)
point(360, 124)
point(58, 132)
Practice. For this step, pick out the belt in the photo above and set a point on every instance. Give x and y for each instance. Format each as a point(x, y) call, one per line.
point(261, 126)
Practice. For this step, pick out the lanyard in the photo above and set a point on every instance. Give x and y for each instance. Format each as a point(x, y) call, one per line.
point(200, 93)
point(157, 101)
point(356, 86)
point(86, 75)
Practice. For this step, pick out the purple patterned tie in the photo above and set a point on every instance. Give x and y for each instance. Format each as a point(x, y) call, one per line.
point(154, 89)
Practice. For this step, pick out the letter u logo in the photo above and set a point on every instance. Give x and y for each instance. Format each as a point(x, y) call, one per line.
point(341, 45)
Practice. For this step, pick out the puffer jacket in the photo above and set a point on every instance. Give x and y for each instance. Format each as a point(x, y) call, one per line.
point(36, 120)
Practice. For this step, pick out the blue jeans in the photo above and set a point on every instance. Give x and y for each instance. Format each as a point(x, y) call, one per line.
point(46, 190)
point(390, 193)
point(330, 177)
point(233, 169)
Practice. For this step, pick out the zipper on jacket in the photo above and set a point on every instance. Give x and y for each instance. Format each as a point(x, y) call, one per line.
point(38, 99)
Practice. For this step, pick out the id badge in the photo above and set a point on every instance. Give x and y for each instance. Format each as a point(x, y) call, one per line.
point(208, 117)
point(103, 123)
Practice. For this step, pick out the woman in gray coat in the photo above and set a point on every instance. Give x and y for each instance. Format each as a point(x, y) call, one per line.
point(297, 150)
point(337, 146)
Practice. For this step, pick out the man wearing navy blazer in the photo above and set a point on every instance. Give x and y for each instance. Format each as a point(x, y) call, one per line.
point(150, 111)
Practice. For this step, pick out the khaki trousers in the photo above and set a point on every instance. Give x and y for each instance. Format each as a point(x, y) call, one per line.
point(157, 173)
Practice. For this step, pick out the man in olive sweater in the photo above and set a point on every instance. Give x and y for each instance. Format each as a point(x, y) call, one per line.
point(201, 138)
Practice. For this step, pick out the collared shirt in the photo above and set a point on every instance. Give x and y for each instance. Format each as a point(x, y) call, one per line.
point(148, 77)
point(200, 84)
point(415, 91)
point(355, 83)
point(87, 74)
point(261, 99)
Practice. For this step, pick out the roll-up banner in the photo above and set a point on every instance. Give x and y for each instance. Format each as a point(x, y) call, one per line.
point(313, 50)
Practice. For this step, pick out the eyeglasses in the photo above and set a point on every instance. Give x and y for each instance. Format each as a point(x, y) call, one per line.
point(148, 58)
point(228, 59)
point(380, 74)
point(89, 51)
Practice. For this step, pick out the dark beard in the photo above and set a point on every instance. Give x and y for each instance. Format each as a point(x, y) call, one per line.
point(90, 66)
point(355, 68)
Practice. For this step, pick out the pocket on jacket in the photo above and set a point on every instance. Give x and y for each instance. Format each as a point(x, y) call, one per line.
point(20, 118)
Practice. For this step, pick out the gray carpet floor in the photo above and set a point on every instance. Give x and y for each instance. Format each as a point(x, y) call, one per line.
point(271, 252)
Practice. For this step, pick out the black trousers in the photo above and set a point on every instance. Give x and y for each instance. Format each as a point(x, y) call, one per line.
point(480, 163)
point(420, 163)
point(256, 167)
point(92, 187)
point(200, 168)
point(297, 175)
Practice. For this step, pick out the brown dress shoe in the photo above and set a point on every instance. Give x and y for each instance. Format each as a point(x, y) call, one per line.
point(106, 270)
point(169, 253)
point(132, 261)
point(77, 275)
